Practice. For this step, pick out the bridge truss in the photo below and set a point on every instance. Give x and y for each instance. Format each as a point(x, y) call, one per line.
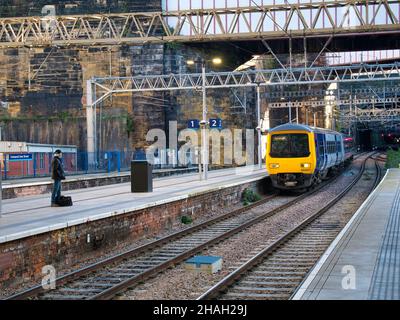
point(323, 18)
point(350, 111)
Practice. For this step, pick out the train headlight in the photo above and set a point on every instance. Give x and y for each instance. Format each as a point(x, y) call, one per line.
point(305, 165)
point(274, 165)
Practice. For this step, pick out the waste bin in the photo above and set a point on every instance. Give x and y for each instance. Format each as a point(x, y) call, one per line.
point(141, 176)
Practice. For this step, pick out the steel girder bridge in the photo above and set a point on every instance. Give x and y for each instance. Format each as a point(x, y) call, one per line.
point(296, 20)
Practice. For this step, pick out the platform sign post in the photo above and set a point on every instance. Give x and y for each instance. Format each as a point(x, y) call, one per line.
point(204, 138)
point(258, 128)
point(198, 155)
point(195, 124)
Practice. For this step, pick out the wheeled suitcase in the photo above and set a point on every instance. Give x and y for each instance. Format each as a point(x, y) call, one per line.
point(64, 201)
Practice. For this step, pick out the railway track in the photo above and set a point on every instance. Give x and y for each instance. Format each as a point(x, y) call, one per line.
point(105, 279)
point(277, 270)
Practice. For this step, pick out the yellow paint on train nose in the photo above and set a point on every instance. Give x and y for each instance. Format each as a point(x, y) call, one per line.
point(284, 165)
point(292, 165)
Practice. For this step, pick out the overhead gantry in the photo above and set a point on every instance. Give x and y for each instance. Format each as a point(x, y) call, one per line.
point(215, 80)
point(98, 89)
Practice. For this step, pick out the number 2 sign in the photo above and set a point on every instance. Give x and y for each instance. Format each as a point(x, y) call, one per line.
point(216, 123)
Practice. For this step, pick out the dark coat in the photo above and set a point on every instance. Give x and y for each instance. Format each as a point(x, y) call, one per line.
point(57, 171)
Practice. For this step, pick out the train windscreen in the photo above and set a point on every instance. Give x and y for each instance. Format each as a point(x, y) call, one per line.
point(293, 145)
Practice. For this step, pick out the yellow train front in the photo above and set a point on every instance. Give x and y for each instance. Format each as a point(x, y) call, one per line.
point(299, 156)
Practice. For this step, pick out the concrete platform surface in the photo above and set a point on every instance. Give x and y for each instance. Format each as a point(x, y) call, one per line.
point(43, 185)
point(363, 262)
point(44, 180)
point(31, 215)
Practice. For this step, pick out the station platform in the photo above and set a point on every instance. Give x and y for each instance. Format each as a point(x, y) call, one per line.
point(363, 262)
point(14, 188)
point(32, 215)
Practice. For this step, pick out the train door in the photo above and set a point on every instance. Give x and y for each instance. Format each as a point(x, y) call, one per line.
point(320, 151)
point(325, 151)
point(337, 149)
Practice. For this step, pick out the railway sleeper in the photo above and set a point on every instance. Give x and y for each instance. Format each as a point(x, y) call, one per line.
point(57, 297)
point(93, 284)
point(267, 274)
point(274, 277)
point(299, 247)
point(240, 288)
point(149, 262)
point(110, 280)
point(284, 268)
point(297, 251)
point(277, 284)
point(78, 291)
point(139, 269)
point(297, 260)
point(122, 275)
point(254, 296)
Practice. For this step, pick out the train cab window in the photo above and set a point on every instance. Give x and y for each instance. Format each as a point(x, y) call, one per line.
point(294, 145)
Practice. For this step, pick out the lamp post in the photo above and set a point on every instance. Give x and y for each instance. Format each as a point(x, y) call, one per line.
point(204, 122)
point(1, 185)
point(258, 128)
point(22, 162)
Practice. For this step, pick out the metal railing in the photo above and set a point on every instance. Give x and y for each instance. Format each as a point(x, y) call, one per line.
point(79, 163)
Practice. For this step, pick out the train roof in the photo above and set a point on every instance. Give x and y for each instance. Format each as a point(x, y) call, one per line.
point(295, 126)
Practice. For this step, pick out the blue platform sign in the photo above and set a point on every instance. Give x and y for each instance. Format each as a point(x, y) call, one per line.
point(20, 157)
point(216, 123)
point(193, 124)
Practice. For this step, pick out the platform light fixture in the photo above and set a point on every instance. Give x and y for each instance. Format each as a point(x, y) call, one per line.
point(217, 60)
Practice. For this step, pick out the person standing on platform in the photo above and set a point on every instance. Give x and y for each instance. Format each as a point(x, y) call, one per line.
point(57, 174)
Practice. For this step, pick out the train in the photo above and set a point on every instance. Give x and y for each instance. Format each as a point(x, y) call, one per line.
point(299, 156)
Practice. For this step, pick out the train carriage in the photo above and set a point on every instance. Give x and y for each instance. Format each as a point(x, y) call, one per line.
point(299, 156)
